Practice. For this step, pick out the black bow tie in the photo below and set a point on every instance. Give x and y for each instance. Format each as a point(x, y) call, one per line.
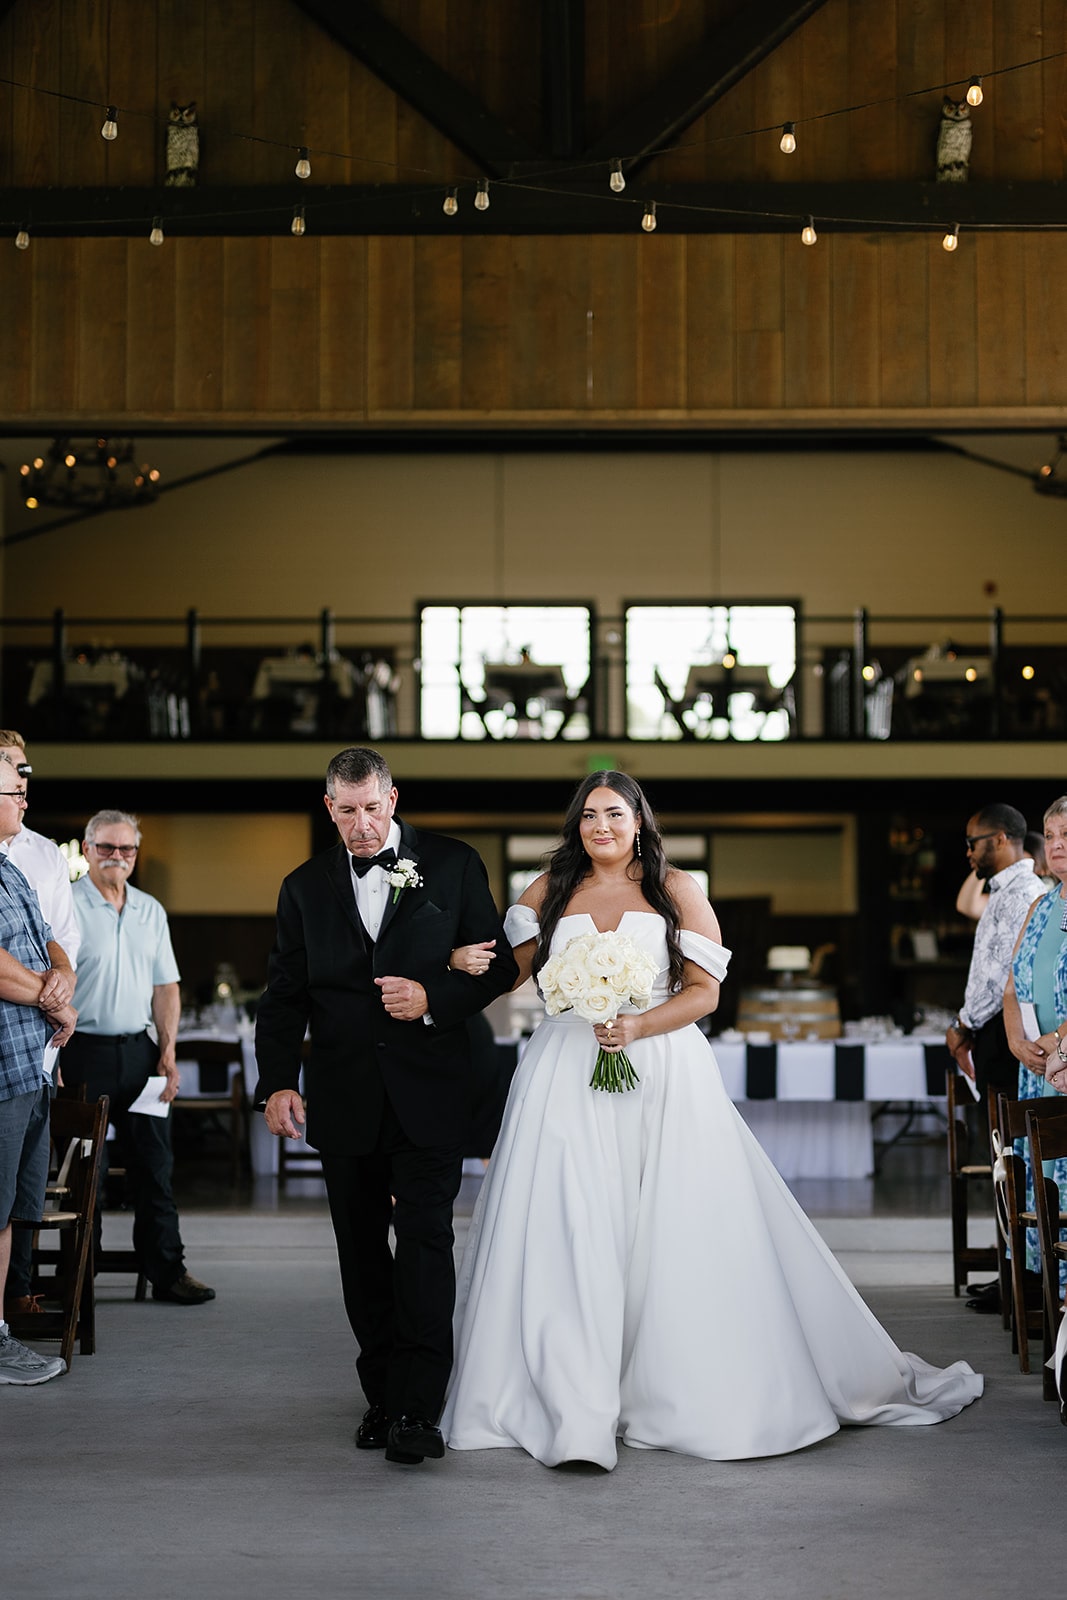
point(361, 866)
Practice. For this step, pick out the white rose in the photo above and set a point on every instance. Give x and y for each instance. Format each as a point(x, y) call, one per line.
point(597, 1005)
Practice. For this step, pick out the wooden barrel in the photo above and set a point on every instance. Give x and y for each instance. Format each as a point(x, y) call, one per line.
point(793, 1011)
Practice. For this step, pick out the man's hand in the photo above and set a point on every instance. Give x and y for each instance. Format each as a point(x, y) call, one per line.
point(64, 1019)
point(58, 988)
point(403, 998)
point(168, 1068)
point(958, 1041)
point(284, 1114)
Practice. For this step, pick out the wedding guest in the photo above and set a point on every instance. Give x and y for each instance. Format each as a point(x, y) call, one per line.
point(127, 979)
point(36, 983)
point(44, 867)
point(361, 956)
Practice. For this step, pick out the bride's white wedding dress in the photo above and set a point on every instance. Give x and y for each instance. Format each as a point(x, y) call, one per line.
point(637, 1269)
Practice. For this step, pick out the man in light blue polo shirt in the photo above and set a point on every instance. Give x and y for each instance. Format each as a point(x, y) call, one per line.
point(127, 979)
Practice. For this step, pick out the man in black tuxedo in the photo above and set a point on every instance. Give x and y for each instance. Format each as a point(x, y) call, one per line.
point(361, 956)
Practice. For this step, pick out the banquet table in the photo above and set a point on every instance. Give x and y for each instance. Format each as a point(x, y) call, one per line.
point(810, 1104)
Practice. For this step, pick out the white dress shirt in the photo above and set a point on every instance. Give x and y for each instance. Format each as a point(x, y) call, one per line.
point(373, 889)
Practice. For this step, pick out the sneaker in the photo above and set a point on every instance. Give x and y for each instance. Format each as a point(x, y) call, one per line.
point(19, 1365)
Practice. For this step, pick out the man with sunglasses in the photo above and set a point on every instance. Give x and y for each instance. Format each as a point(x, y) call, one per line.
point(995, 841)
point(128, 979)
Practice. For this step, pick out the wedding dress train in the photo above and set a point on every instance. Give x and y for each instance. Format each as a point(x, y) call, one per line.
point(637, 1269)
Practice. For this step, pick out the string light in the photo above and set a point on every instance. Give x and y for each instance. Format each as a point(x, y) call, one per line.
point(617, 181)
point(298, 226)
point(951, 240)
point(110, 130)
point(788, 142)
point(974, 92)
point(303, 165)
point(648, 221)
point(451, 204)
point(22, 240)
point(156, 236)
point(807, 232)
point(481, 199)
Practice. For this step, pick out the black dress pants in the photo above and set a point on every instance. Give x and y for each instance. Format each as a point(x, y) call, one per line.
point(400, 1307)
point(120, 1067)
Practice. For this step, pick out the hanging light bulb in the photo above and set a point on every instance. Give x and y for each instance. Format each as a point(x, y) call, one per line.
point(110, 130)
point(481, 199)
point(648, 221)
point(156, 236)
point(617, 182)
point(788, 142)
point(974, 92)
point(451, 204)
point(807, 232)
point(303, 165)
point(951, 240)
point(298, 226)
point(22, 240)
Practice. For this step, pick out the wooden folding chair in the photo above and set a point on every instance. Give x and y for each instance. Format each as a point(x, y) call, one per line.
point(78, 1131)
point(222, 1056)
point(1009, 1190)
point(965, 1258)
point(1048, 1142)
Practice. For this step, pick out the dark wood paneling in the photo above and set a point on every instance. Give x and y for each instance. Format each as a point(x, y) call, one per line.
point(245, 354)
point(806, 297)
point(904, 319)
point(855, 332)
point(1002, 315)
point(151, 326)
point(487, 311)
point(661, 347)
point(390, 326)
point(342, 325)
point(954, 332)
point(758, 290)
point(438, 315)
point(711, 323)
point(293, 373)
point(199, 289)
point(101, 326)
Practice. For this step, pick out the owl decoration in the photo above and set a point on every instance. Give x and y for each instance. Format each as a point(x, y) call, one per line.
point(183, 146)
point(953, 141)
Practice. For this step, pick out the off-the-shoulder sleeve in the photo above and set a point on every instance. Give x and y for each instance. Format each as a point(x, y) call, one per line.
point(521, 924)
point(714, 958)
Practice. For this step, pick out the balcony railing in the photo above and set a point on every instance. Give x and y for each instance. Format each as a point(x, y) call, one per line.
point(859, 676)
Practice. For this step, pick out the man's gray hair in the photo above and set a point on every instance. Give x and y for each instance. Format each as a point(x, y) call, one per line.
point(108, 819)
point(355, 766)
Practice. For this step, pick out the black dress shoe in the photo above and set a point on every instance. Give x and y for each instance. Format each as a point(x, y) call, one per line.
point(373, 1431)
point(411, 1440)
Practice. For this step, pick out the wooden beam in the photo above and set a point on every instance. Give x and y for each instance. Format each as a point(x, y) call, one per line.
point(398, 209)
point(563, 52)
point(728, 55)
point(425, 86)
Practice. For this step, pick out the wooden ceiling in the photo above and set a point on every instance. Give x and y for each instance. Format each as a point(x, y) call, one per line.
point(400, 100)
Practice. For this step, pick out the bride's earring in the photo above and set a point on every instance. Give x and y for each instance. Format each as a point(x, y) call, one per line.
point(637, 844)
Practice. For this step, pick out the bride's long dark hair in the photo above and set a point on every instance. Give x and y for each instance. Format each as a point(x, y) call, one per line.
point(570, 864)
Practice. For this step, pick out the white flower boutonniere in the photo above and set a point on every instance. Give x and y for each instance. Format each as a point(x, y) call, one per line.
point(405, 875)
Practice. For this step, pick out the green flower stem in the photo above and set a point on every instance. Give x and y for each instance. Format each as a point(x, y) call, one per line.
point(613, 1072)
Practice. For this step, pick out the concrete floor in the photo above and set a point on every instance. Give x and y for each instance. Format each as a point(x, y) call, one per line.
point(209, 1450)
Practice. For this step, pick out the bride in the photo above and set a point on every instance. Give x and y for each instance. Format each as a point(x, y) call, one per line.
point(635, 1267)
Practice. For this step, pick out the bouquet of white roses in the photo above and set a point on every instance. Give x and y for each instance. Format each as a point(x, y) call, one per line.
point(595, 975)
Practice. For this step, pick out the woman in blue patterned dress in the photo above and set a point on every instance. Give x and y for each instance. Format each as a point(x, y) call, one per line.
point(1035, 1005)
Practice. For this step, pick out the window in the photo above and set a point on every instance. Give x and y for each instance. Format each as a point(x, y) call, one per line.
point(505, 671)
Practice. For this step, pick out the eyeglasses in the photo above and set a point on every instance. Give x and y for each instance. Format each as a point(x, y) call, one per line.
point(17, 794)
point(126, 851)
point(972, 839)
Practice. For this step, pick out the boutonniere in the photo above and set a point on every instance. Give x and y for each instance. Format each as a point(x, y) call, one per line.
point(405, 875)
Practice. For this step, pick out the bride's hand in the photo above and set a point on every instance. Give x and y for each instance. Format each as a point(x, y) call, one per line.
point(473, 958)
point(618, 1035)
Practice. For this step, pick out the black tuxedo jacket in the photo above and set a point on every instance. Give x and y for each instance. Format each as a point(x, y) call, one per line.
point(322, 972)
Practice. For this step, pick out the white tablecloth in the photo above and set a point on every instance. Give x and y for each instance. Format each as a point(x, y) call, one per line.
point(264, 1146)
point(805, 1130)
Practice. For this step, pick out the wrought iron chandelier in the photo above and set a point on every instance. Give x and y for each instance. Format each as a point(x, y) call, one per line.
point(88, 475)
